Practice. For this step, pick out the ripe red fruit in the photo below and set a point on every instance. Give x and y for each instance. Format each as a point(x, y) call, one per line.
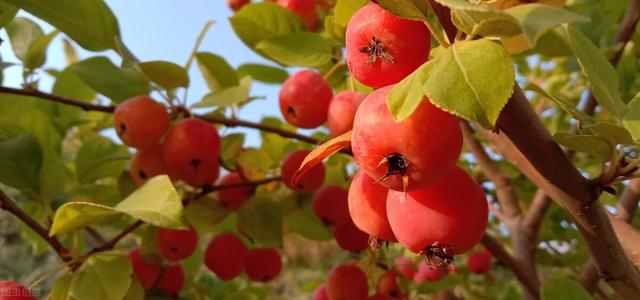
point(342, 110)
point(443, 220)
point(147, 163)
point(368, 207)
point(479, 262)
point(305, 9)
point(175, 245)
point(146, 272)
point(311, 180)
point(388, 285)
point(330, 205)
point(405, 267)
point(382, 49)
point(236, 5)
point(304, 99)
point(172, 279)
point(226, 256)
point(10, 290)
point(350, 238)
point(428, 273)
point(233, 198)
point(321, 293)
point(140, 122)
point(191, 150)
point(421, 149)
point(347, 282)
point(263, 264)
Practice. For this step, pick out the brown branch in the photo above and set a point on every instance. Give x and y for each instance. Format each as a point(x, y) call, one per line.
point(629, 238)
point(110, 109)
point(526, 278)
point(6, 203)
point(535, 214)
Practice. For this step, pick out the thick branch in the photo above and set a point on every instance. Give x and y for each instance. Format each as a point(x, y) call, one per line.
point(109, 109)
point(528, 279)
point(6, 203)
point(629, 238)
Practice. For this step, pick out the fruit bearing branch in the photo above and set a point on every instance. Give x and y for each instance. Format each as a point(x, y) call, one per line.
point(110, 109)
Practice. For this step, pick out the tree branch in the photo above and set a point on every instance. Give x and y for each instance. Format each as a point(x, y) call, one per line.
point(534, 216)
point(528, 279)
point(110, 109)
point(6, 203)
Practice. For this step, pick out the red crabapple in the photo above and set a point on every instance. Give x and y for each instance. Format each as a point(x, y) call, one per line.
point(304, 99)
point(175, 245)
point(479, 262)
point(172, 279)
point(305, 9)
point(428, 272)
point(147, 163)
point(263, 264)
point(233, 198)
point(445, 219)
point(226, 256)
point(330, 205)
point(236, 5)
point(382, 49)
point(350, 238)
point(412, 154)
point(146, 272)
point(321, 293)
point(342, 110)
point(388, 285)
point(347, 282)
point(310, 181)
point(10, 290)
point(405, 267)
point(368, 207)
point(140, 122)
point(191, 150)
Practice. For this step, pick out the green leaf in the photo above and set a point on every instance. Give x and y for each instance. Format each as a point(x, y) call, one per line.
point(229, 96)
point(590, 144)
point(20, 162)
point(165, 74)
point(262, 221)
point(242, 295)
point(307, 225)
point(103, 276)
point(216, 71)
point(98, 158)
point(231, 146)
point(68, 84)
point(22, 34)
point(600, 73)
point(345, 9)
point(632, 118)
point(301, 49)
point(255, 163)
point(560, 287)
point(157, 202)
point(205, 214)
point(480, 20)
point(36, 55)
point(615, 134)
point(473, 80)
point(564, 104)
point(104, 77)
point(74, 215)
point(408, 9)
point(88, 22)
point(261, 21)
point(537, 19)
point(407, 95)
point(7, 13)
point(60, 289)
point(136, 291)
point(263, 73)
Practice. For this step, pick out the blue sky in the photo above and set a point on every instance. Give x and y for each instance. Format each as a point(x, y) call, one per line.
point(167, 30)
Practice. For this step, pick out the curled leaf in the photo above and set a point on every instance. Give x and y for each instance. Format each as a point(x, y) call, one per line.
point(321, 152)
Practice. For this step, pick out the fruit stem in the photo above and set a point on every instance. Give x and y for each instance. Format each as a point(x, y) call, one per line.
point(332, 70)
point(437, 35)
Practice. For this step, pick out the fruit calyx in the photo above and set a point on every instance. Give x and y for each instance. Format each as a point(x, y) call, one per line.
point(376, 49)
point(438, 255)
point(397, 164)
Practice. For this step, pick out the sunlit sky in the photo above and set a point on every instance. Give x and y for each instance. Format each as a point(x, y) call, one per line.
point(166, 30)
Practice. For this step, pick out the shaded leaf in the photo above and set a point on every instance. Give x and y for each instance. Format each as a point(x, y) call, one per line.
point(306, 224)
point(217, 72)
point(344, 10)
point(480, 20)
point(22, 34)
point(60, 289)
point(615, 134)
point(36, 55)
point(98, 158)
point(20, 162)
point(632, 118)
point(165, 74)
point(263, 73)
point(321, 152)
point(560, 287)
point(104, 77)
point(301, 49)
point(590, 144)
point(407, 9)
point(228, 96)
point(262, 220)
point(7, 13)
point(103, 276)
point(537, 19)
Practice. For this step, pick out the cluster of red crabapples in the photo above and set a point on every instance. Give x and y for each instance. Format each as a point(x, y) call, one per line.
point(226, 256)
point(408, 189)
